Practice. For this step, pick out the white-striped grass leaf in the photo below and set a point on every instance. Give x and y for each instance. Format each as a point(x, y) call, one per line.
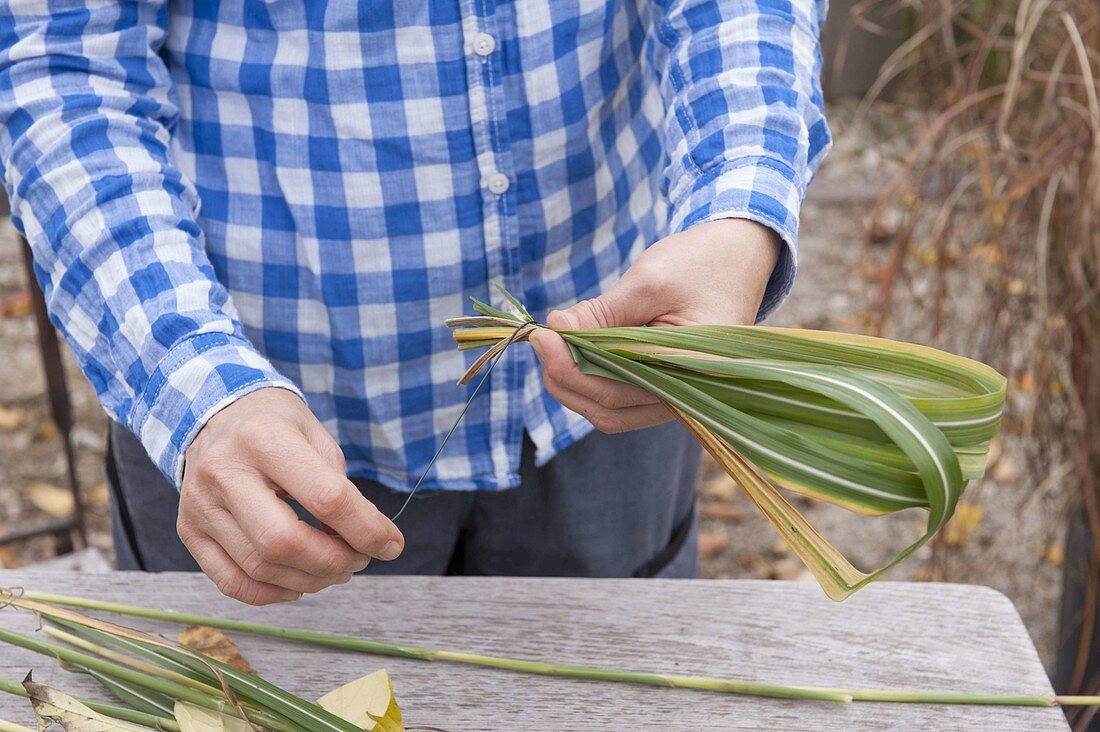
point(873, 425)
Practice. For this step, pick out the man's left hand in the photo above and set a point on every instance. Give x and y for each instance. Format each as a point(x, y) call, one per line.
point(713, 274)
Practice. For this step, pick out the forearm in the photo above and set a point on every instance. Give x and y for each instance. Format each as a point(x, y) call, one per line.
point(85, 111)
point(745, 129)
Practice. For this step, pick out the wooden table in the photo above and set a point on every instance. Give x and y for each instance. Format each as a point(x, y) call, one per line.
point(891, 635)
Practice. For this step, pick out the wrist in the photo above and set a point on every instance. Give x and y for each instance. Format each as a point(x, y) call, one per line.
point(747, 254)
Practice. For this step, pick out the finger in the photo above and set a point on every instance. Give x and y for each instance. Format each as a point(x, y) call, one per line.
point(629, 302)
point(558, 365)
point(281, 538)
point(610, 421)
point(331, 498)
point(230, 536)
point(230, 579)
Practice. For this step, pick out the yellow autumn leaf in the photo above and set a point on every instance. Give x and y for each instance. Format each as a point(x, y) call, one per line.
point(1054, 554)
point(367, 702)
point(196, 719)
point(12, 418)
point(54, 707)
point(967, 518)
point(51, 499)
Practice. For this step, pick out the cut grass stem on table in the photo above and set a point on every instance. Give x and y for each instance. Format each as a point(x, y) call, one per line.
point(362, 645)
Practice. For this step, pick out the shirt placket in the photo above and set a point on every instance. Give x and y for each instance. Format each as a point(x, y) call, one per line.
point(482, 39)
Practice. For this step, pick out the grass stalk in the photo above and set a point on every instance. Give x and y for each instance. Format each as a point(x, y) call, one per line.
point(138, 665)
point(143, 700)
point(108, 710)
point(735, 686)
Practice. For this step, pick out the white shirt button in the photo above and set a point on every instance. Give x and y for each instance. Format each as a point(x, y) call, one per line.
point(484, 44)
point(498, 183)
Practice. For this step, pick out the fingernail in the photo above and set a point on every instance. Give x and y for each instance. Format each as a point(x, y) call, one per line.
point(289, 596)
point(392, 550)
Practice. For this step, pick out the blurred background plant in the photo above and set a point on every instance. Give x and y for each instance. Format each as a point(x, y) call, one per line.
point(1002, 176)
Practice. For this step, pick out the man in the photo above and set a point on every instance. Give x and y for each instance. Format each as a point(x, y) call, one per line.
point(251, 218)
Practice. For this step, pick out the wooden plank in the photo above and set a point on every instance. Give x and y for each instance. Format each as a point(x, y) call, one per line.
point(891, 635)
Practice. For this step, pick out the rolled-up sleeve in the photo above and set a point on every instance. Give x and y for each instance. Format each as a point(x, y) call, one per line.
point(745, 129)
point(86, 112)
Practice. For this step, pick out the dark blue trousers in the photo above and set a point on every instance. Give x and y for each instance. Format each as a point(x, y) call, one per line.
point(607, 506)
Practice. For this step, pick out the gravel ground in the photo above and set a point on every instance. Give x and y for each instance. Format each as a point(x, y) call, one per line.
point(1009, 539)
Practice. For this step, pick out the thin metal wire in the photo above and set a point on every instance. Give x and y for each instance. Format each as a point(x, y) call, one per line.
point(454, 427)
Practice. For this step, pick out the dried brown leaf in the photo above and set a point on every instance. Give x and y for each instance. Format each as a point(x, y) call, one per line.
point(722, 511)
point(214, 643)
point(47, 432)
point(17, 305)
point(1054, 554)
point(711, 545)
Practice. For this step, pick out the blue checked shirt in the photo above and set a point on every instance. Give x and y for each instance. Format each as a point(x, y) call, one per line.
point(224, 196)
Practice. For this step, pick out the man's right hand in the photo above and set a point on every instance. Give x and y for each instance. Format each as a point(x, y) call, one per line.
point(233, 518)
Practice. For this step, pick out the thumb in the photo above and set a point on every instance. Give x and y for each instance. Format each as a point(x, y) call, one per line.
point(620, 306)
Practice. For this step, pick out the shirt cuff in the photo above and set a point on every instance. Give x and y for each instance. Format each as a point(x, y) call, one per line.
point(764, 190)
point(195, 379)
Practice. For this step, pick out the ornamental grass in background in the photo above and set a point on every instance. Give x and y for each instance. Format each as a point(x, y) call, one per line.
point(997, 200)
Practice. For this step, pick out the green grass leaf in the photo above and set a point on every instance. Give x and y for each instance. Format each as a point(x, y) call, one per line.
point(873, 425)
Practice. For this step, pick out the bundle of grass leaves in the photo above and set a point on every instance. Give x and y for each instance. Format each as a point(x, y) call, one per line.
point(873, 425)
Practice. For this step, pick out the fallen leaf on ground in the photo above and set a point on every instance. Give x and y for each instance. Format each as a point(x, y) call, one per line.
point(719, 488)
point(788, 568)
point(47, 431)
point(711, 544)
point(16, 305)
point(722, 510)
point(1054, 554)
point(930, 572)
point(9, 556)
point(996, 449)
point(51, 499)
point(367, 702)
point(97, 495)
point(968, 516)
point(988, 251)
point(12, 418)
point(1006, 470)
point(54, 707)
point(215, 644)
point(196, 719)
point(748, 560)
